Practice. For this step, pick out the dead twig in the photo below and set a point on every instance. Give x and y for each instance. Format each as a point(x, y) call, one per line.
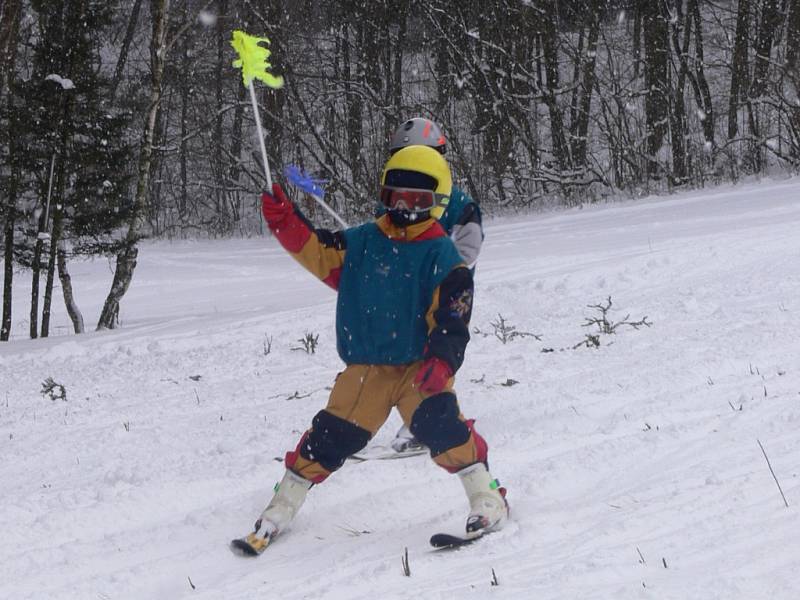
point(352, 531)
point(773, 474)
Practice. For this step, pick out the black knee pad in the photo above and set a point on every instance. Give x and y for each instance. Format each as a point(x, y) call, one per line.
point(332, 440)
point(435, 423)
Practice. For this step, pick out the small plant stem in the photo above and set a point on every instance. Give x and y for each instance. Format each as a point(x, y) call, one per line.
point(773, 473)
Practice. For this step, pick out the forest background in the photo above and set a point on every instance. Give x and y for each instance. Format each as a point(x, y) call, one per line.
point(121, 121)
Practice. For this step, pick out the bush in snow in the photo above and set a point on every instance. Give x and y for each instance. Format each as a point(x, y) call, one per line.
point(308, 343)
point(505, 332)
point(53, 390)
point(604, 326)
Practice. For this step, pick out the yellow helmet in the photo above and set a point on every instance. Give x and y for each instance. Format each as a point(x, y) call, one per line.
point(420, 167)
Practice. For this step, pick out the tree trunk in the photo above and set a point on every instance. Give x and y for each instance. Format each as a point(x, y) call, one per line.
point(8, 250)
point(10, 11)
point(739, 80)
point(123, 52)
point(66, 287)
point(126, 258)
point(637, 40)
point(792, 74)
point(8, 266)
point(395, 86)
point(42, 234)
point(678, 112)
point(707, 105)
point(185, 90)
point(275, 100)
point(580, 52)
point(444, 67)
point(354, 110)
point(36, 267)
point(793, 36)
point(656, 72)
point(549, 36)
point(768, 29)
point(234, 168)
point(58, 221)
point(219, 170)
point(588, 82)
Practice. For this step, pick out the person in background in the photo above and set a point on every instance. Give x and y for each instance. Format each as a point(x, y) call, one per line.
point(460, 217)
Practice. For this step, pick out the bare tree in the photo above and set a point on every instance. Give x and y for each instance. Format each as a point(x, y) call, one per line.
point(585, 66)
point(700, 81)
point(10, 12)
point(656, 74)
point(130, 31)
point(768, 30)
point(739, 65)
point(552, 84)
point(126, 258)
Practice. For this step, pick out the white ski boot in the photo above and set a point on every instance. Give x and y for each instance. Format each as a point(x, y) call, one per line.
point(289, 496)
point(487, 502)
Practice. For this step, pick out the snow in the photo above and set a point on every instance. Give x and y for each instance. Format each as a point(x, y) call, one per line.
point(207, 18)
point(65, 83)
point(634, 469)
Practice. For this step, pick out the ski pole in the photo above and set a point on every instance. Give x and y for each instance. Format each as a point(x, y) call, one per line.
point(264, 156)
point(332, 212)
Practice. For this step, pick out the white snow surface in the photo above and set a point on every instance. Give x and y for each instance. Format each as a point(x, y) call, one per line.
point(633, 470)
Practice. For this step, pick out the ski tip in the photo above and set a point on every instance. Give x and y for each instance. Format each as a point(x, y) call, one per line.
point(247, 546)
point(242, 548)
point(446, 540)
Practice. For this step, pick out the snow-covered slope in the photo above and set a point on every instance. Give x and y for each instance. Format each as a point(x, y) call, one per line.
point(634, 469)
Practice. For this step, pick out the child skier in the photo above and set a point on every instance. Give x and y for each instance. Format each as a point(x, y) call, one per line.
point(459, 215)
point(404, 303)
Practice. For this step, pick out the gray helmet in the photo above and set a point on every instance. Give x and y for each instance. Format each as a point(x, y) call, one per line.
point(418, 132)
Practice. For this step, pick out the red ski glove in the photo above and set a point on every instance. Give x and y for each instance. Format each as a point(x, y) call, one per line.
point(433, 375)
point(275, 206)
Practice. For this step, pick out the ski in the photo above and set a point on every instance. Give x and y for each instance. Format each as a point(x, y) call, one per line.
point(449, 541)
point(250, 545)
point(385, 453)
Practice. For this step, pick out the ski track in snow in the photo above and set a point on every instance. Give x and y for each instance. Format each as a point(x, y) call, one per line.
point(633, 469)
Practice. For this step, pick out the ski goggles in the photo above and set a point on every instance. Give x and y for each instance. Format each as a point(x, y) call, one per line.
point(410, 199)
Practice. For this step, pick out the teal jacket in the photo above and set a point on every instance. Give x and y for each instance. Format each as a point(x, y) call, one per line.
point(458, 203)
point(386, 290)
point(404, 293)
